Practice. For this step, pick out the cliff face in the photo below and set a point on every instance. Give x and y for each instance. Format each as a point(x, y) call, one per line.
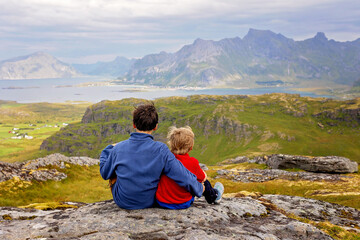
point(267, 217)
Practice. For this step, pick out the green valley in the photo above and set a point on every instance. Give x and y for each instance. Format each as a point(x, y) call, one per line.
point(23, 127)
point(226, 126)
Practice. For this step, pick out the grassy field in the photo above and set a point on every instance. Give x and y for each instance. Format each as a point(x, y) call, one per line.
point(38, 120)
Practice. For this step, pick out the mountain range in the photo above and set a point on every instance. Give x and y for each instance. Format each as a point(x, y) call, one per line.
point(36, 66)
point(261, 58)
point(115, 68)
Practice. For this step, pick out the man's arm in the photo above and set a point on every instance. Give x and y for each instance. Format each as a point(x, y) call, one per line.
point(106, 162)
point(183, 177)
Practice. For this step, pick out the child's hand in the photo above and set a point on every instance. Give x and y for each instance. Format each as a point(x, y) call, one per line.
point(114, 144)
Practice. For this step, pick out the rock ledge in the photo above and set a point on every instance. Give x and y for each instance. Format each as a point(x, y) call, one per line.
point(234, 218)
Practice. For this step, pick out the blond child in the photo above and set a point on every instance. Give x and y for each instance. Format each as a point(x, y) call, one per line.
point(169, 194)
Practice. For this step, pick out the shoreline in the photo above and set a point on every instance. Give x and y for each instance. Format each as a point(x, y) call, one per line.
point(95, 90)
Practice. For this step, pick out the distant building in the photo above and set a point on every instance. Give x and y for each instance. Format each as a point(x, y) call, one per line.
point(17, 137)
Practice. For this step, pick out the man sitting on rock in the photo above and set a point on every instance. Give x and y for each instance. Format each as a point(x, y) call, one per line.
point(137, 163)
point(170, 194)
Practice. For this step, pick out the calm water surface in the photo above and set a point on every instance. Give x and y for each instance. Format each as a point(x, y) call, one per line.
point(62, 90)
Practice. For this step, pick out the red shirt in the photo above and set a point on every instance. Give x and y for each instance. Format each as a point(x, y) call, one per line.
point(169, 192)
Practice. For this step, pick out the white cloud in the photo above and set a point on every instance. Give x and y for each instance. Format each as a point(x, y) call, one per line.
point(146, 25)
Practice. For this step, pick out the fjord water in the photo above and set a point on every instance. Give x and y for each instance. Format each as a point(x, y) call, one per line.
point(62, 90)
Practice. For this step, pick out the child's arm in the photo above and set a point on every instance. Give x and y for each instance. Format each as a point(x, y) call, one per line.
point(106, 162)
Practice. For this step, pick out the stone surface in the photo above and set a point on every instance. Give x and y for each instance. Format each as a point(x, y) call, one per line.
point(35, 169)
point(58, 159)
point(329, 164)
point(235, 218)
point(263, 175)
point(318, 210)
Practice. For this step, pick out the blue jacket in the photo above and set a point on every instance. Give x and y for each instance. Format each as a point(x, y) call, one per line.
point(138, 164)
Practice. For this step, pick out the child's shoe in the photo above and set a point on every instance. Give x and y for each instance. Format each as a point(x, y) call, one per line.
point(220, 189)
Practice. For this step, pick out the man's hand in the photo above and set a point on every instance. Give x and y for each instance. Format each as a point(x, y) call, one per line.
point(203, 187)
point(114, 144)
point(205, 177)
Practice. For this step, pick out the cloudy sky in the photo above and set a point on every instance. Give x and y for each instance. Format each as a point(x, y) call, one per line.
point(85, 31)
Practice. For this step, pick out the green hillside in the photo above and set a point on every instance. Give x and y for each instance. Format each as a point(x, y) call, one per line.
point(226, 126)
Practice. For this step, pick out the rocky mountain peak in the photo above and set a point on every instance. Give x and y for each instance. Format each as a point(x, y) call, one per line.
point(320, 36)
point(256, 34)
point(40, 54)
point(199, 41)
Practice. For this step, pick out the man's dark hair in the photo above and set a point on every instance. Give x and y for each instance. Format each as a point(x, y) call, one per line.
point(145, 117)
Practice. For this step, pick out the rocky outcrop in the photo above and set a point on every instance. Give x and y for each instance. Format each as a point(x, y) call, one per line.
point(105, 112)
point(348, 115)
point(263, 175)
point(234, 218)
point(14, 171)
point(34, 169)
point(329, 164)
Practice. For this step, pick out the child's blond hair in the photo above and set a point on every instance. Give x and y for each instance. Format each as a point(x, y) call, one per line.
point(181, 140)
